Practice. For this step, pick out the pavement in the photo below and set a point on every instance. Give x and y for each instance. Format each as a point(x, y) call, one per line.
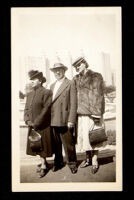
point(106, 172)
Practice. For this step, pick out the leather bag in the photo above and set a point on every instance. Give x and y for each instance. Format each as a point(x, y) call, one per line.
point(35, 141)
point(97, 135)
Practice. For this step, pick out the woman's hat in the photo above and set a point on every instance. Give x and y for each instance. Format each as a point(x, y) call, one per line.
point(58, 65)
point(36, 74)
point(78, 61)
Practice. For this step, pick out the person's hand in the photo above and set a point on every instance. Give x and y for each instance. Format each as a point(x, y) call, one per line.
point(29, 123)
point(70, 125)
point(96, 119)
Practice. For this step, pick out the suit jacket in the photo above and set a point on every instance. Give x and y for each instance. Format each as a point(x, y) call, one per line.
point(64, 104)
point(37, 108)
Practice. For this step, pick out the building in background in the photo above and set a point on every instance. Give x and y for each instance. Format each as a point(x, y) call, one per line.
point(107, 72)
point(43, 63)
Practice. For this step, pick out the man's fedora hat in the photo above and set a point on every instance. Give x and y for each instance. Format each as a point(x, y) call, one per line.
point(78, 61)
point(58, 65)
point(36, 74)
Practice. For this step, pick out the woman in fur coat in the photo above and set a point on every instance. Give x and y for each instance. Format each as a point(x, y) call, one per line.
point(37, 116)
point(90, 109)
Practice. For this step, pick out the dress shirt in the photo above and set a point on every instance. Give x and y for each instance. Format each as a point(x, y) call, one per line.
point(57, 85)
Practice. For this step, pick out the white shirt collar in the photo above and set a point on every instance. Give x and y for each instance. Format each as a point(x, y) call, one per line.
point(61, 80)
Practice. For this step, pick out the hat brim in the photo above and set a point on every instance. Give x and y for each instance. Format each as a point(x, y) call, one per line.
point(36, 75)
point(63, 67)
point(77, 62)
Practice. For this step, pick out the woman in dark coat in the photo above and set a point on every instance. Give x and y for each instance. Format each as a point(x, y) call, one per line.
point(37, 116)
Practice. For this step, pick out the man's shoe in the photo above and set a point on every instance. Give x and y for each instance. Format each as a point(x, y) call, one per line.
point(73, 170)
point(57, 167)
point(84, 164)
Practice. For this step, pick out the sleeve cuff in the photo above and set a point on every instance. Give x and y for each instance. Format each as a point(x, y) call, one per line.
point(96, 116)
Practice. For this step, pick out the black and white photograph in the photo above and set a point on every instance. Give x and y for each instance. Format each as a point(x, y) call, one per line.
point(66, 74)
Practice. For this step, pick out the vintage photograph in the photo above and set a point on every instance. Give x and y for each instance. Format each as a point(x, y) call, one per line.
point(66, 99)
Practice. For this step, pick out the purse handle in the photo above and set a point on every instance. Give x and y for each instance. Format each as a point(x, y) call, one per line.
point(102, 124)
point(36, 132)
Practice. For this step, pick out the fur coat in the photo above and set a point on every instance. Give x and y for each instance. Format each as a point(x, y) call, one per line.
point(90, 93)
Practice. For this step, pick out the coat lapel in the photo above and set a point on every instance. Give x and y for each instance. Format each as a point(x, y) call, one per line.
point(83, 80)
point(39, 90)
point(33, 93)
point(31, 97)
point(61, 88)
point(52, 87)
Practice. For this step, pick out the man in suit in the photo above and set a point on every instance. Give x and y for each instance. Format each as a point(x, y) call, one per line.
point(63, 118)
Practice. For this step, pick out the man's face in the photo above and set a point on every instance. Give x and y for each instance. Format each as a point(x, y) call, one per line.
point(59, 73)
point(80, 67)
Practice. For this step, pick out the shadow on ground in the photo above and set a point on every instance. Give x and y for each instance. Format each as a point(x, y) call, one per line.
point(106, 173)
point(101, 161)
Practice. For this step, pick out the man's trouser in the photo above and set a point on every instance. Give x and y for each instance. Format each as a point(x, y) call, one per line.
point(61, 135)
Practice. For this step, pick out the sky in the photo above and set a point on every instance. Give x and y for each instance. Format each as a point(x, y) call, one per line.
point(87, 31)
point(63, 30)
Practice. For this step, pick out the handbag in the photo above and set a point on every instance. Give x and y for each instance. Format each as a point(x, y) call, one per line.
point(97, 135)
point(35, 141)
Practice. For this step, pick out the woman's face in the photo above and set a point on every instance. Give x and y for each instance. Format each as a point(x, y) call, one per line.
point(59, 73)
point(81, 67)
point(35, 82)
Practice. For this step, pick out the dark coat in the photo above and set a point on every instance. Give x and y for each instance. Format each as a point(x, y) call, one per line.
point(64, 105)
point(90, 93)
point(38, 111)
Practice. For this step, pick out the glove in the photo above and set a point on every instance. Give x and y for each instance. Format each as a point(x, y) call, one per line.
point(96, 119)
point(70, 125)
point(29, 123)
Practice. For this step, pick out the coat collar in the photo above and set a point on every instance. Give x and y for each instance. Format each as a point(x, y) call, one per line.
point(83, 79)
point(87, 74)
point(61, 88)
point(32, 94)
